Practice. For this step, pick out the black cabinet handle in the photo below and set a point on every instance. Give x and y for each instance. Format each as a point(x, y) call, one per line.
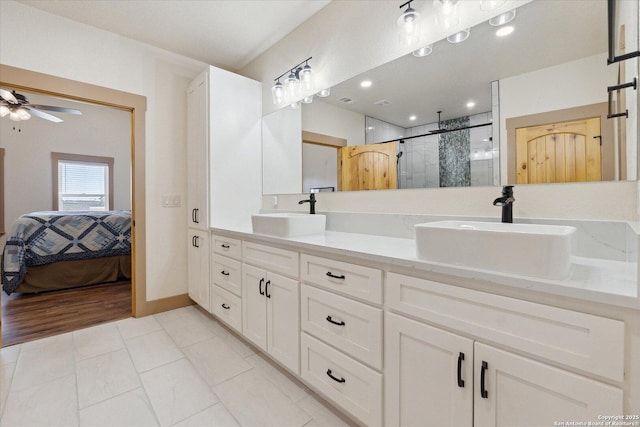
point(266, 288)
point(197, 241)
point(483, 391)
point(193, 241)
point(460, 380)
point(224, 273)
point(197, 215)
point(193, 215)
point(330, 320)
point(339, 380)
point(334, 276)
point(224, 246)
point(225, 306)
point(260, 287)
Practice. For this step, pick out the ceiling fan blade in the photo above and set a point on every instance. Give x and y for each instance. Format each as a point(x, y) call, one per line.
point(8, 96)
point(56, 109)
point(45, 116)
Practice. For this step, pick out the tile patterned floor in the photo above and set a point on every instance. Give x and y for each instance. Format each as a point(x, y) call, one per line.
point(179, 368)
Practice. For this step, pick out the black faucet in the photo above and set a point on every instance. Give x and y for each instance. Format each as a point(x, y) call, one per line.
point(506, 201)
point(312, 203)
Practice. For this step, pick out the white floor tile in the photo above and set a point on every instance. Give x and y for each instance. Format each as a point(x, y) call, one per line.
point(215, 416)
point(6, 375)
point(255, 401)
point(44, 361)
point(131, 409)
point(66, 339)
point(322, 416)
point(188, 329)
point(215, 360)
point(9, 354)
point(152, 350)
point(97, 340)
point(105, 376)
point(291, 388)
point(134, 327)
point(177, 392)
point(239, 346)
point(54, 403)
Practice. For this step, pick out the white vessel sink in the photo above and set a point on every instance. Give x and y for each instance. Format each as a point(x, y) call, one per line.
point(288, 224)
point(542, 251)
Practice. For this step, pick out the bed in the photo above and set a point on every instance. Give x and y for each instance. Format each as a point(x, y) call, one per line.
point(60, 250)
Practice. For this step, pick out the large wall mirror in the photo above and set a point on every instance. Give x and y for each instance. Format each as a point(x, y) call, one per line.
point(526, 107)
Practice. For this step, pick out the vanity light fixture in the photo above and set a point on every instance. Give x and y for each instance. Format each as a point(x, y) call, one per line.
point(423, 51)
point(324, 93)
point(299, 78)
point(460, 36)
point(503, 18)
point(488, 5)
point(295, 105)
point(504, 31)
point(409, 24)
point(447, 13)
point(307, 99)
point(365, 83)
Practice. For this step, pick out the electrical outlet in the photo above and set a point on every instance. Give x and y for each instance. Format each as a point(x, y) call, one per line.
point(171, 201)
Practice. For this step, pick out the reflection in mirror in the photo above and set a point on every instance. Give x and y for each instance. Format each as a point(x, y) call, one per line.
point(535, 76)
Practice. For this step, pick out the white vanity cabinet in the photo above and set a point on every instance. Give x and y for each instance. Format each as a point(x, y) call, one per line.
point(198, 267)
point(226, 285)
point(437, 377)
point(271, 301)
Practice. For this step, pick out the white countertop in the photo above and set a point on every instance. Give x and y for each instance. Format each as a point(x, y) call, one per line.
point(598, 280)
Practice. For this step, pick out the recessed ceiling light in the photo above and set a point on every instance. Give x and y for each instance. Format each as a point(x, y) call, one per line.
point(460, 36)
point(423, 51)
point(412, 118)
point(504, 31)
point(503, 18)
point(471, 104)
point(365, 83)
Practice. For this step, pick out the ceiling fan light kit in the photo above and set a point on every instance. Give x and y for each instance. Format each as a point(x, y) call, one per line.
point(18, 108)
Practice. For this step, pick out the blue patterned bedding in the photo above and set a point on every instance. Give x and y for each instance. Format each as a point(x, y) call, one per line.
point(41, 238)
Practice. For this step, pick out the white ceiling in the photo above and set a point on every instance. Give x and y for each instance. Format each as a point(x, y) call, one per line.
point(225, 33)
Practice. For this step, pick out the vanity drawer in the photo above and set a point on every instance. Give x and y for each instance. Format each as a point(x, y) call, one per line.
point(272, 259)
point(349, 384)
point(582, 341)
point(227, 307)
point(227, 247)
point(227, 273)
point(353, 327)
point(349, 279)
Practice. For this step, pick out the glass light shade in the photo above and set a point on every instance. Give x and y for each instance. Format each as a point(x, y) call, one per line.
point(306, 78)
point(324, 93)
point(503, 18)
point(307, 99)
point(13, 115)
point(409, 26)
point(24, 114)
point(423, 51)
point(295, 105)
point(292, 86)
point(460, 36)
point(4, 110)
point(277, 92)
point(487, 5)
point(447, 13)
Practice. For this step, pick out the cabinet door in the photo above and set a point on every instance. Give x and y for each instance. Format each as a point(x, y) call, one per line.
point(254, 305)
point(423, 366)
point(198, 267)
point(283, 320)
point(523, 392)
point(197, 158)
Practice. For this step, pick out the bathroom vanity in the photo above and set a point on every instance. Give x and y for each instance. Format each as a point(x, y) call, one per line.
point(394, 340)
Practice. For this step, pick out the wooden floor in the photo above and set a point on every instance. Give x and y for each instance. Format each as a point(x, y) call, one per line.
point(26, 317)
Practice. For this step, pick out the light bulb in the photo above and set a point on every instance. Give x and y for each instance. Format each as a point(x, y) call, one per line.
point(307, 99)
point(4, 110)
point(306, 78)
point(24, 114)
point(324, 93)
point(277, 92)
point(447, 14)
point(409, 26)
point(292, 86)
point(13, 115)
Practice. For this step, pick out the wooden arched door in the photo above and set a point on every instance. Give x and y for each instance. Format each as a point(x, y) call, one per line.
point(367, 167)
point(559, 152)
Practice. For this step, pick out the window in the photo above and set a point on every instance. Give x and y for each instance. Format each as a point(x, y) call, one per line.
point(82, 183)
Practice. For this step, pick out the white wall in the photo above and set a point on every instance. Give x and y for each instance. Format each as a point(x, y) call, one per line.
point(327, 119)
point(99, 131)
point(39, 41)
point(282, 152)
point(319, 167)
point(572, 84)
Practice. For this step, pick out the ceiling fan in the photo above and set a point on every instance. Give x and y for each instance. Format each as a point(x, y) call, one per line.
point(17, 107)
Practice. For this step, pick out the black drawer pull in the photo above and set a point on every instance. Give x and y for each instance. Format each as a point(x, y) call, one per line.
point(260, 287)
point(266, 288)
point(225, 306)
point(339, 380)
point(334, 276)
point(460, 380)
point(193, 215)
point(197, 216)
point(330, 320)
point(224, 273)
point(483, 391)
point(224, 246)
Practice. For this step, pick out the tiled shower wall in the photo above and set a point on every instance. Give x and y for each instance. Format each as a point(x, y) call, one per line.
point(419, 166)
